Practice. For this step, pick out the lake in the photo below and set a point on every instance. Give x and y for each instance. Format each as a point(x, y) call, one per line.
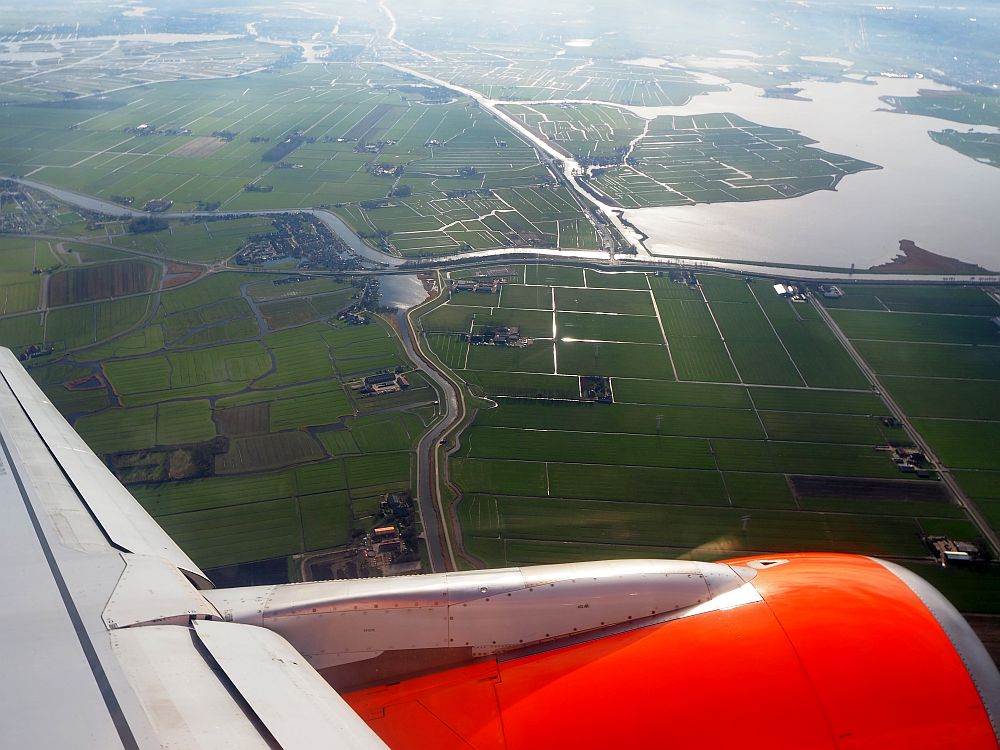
point(925, 192)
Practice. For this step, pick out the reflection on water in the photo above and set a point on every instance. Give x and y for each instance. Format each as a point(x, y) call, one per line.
point(401, 290)
point(942, 200)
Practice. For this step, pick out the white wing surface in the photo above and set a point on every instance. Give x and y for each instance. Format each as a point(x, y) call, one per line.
point(107, 641)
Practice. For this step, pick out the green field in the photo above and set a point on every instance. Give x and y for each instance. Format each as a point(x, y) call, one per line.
point(739, 424)
point(983, 147)
point(709, 158)
point(936, 351)
point(273, 453)
point(416, 180)
point(545, 77)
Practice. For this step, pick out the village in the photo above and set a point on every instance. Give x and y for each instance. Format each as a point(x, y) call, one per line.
point(302, 237)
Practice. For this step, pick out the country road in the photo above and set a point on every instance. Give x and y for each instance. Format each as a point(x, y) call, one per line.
point(953, 487)
point(451, 408)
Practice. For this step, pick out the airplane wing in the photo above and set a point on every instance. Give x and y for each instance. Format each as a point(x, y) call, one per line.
point(107, 640)
point(112, 637)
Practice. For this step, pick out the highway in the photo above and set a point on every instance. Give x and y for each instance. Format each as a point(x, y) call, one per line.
point(953, 487)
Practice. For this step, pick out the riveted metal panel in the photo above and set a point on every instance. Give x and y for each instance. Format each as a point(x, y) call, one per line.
point(326, 634)
point(557, 609)
point(490, 611)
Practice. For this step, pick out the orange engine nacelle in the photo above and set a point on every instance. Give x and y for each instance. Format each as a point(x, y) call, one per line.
point(842, 652)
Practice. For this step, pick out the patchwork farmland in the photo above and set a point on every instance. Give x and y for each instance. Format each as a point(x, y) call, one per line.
point(554, 78)
point(732, 421)
point(225, 404)
point(418, 175)
point(937, 352)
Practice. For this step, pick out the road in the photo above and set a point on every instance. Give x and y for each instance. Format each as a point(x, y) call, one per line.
point(623, 262)
point(451, 408)
point(953, 487)
point(570, 167)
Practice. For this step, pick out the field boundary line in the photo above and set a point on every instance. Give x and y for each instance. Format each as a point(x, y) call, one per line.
point(659, 322)
point(774, 330)
point(722, 337)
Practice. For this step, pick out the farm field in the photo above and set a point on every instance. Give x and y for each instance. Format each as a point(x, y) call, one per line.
point(241, 429)
point(956, 106)
point(716, 158)
point(100, 282)
point(194, 241)
point(983, 147)
point(937, 352)
point(91, 66)
point(419, 176)
point(567, 78)
point(416, 176)
point(593, 133)
point(737, 424)
point(435, 224)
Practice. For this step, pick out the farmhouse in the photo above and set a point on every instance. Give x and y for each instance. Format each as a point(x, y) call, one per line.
point(499, 336)
point(911, 461)
point(830, 291)
point(157, 205)
point(792, 292)
point(489, 285)
point(384, 382)
point(951, 552)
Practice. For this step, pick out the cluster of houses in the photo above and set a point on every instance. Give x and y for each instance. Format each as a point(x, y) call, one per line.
point(381, 169)
point(794, 292)
point(488, 281)
point(147, 128)
point(23, 211)
point(36, 350)
point(157, 205)
point(371, 148)
point(298, 236)
point(498, 336)
point(830, 291)
point(484, 286)
point(681, 277)
point(392, 547)
point(596, 388)
point(911, 461)
point(797, 292)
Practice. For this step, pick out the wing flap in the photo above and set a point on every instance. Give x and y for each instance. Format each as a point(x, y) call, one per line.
point(293, 702)
point(188, 703)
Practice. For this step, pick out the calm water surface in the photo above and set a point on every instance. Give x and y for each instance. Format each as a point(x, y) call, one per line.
point(940, 199)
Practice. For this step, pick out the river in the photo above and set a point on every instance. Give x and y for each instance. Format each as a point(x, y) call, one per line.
point(334, 222)
point(401, 290)
point(925, 192)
